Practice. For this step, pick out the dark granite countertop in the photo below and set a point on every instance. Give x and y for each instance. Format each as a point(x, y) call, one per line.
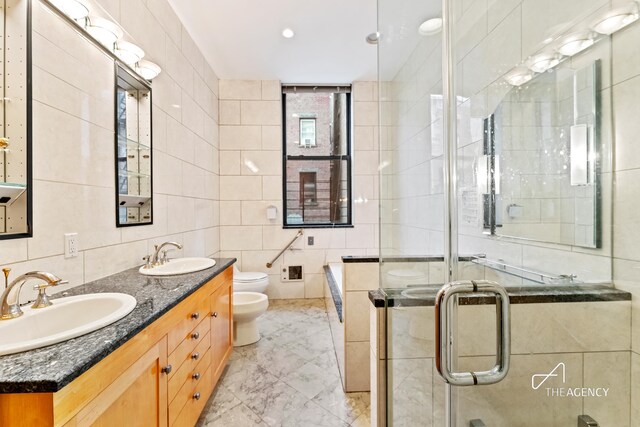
point(335, 291)
point(416, 296)
point(49, 369)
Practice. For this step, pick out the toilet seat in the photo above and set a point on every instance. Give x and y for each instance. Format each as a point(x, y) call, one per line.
point(250, 281)
point(249, 276)
point(408, 276)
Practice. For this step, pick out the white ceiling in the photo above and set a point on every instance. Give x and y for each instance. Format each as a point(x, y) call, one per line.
point(242, 39)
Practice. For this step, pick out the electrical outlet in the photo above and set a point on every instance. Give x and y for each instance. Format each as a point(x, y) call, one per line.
point(310, 240)
point(71, 245)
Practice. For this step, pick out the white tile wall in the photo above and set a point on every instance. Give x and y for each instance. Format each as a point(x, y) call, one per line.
point(251, 133)
point(73, 139)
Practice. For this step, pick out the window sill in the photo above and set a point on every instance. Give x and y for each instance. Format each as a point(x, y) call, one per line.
point(318, 226)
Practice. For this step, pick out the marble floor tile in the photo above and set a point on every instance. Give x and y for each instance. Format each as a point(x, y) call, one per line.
point(311, 379)
point(276, 402)
point(241, 415)
point(312, 415)
point(288, 378)
point(347, 407)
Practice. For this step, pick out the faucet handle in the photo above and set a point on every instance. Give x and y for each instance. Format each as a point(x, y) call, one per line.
point(42, 300)
point(147, 262)
point(44, 285)
point(164, 258)
point(6, 272)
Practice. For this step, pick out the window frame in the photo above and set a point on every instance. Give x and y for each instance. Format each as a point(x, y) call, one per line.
point(314, 142)
point(342, 157)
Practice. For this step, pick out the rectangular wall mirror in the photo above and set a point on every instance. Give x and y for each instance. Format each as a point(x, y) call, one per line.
point(542, 152)
point(15, 120)
point(134, 186)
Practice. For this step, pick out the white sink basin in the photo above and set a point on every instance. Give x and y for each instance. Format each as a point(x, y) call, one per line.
point(67, 318)
point(179, 266)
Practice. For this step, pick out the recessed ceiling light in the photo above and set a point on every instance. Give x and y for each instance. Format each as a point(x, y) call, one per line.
point(373, 38)
point(543, 62)
point(287, 33)
point(575, 43)
point(430, 27)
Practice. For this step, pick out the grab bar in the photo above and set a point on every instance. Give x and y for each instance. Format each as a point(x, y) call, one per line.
point(298, 234)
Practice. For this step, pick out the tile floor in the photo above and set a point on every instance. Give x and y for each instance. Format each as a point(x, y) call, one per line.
point(288, 378)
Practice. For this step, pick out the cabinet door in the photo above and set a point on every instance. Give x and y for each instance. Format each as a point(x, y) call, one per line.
point(221, 327)
point(137, 397)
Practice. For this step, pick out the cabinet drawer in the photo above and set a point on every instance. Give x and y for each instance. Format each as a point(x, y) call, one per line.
point(186, 348)
point(192, 311)
point(188, 368)
point(192, 409)
point(187, 393)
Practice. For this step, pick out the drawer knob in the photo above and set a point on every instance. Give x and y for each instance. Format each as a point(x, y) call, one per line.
point(196, 395)
point(196, 376)
point(195, 315)
point(167, 369)
point(195, 335)
point(215, 314)
point(195, 356)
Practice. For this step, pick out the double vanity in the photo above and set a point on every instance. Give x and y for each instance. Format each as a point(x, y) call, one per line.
point(157, 365)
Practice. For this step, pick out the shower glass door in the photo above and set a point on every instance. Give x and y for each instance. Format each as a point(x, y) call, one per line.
point(502, 172)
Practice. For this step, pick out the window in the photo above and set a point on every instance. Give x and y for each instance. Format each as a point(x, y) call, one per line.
point(308, 132)
point(317, 156)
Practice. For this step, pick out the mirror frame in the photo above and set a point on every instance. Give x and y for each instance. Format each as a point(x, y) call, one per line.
point(28, 132)
point(122, 71)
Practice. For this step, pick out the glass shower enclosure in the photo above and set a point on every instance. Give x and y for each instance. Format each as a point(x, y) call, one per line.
point(496, 219)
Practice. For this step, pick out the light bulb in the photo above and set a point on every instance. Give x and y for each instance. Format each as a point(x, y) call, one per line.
point(128, 53)
point(518, 77)
point(147, 69)
point(543, 62)
point(103, 30)
point(430, 27)
point(575, 43)
point(74, 9)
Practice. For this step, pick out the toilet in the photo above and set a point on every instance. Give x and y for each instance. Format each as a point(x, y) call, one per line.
point(402, 278)
point(249, 303)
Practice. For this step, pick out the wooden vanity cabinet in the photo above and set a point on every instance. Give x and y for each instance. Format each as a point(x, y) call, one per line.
point(161, 377)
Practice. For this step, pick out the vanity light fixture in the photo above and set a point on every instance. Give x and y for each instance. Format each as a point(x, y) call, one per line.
point(430, 27)
point(575, 43)
point(373, 38)
point(103, 30)
point(74, 9)
point(147, 69)
point(617, 19)
point(518, 77)
point(543, 62)
point(287, 33)
point(129, 53)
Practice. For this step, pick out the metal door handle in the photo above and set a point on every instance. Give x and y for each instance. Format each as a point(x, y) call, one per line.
point(444, 301)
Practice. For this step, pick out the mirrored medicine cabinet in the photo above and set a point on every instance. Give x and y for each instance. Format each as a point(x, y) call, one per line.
point(134, 184)
point(15, 120)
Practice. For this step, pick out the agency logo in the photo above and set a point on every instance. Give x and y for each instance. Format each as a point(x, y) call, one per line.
point(537, 380)
point(558, 376)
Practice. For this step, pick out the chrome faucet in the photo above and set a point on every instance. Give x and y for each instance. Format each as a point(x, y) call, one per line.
point(10, 301)
point(155, 260)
